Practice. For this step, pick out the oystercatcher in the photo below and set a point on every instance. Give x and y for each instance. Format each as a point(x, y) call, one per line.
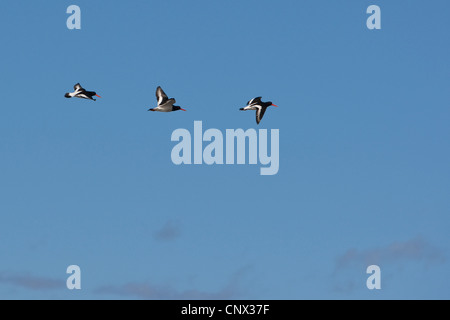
point(80, 92)
point(259, 106)
point(164, 103)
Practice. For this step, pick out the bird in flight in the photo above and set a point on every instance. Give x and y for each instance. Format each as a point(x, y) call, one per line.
point(259, 106)
point(80, 92)
point(164, 103)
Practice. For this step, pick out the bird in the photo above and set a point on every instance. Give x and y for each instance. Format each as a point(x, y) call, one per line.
point(164, 103)
point(80, 92)
point(259, 106)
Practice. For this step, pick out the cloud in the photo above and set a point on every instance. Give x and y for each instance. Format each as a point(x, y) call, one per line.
point(417, 249)
point(153, 292)
point(31, 282)
point(170, 231)
point(350, 268)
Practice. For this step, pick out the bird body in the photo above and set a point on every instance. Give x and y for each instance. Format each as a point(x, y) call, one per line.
point(260, 107)
point(164, 103)
point(80, 92)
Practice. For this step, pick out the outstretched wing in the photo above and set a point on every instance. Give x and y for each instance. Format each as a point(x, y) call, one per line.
point(260, 114)
point(161, 96)
point(254, 101)
point(78, 87)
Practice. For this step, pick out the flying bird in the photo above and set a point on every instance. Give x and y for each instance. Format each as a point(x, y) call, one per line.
point(80, 92)
point(259, 106)
point(164, 103)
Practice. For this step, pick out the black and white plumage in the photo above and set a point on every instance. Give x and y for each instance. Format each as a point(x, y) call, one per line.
point(80, 92)
point(164, 103)
point(259, 106)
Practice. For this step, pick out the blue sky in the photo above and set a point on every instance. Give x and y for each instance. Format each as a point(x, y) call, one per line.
point(364, 150)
